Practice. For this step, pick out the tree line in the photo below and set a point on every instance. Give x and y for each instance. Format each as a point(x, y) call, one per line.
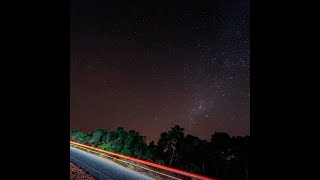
point(222, 156)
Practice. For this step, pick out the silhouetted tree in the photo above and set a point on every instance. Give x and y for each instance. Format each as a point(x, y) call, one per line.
point(220, 148)
point(80, 137)
point(176, 136)
point(96, 138)
point(151, 152)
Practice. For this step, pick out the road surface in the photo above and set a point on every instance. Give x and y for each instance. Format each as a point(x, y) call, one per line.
point(103, 168)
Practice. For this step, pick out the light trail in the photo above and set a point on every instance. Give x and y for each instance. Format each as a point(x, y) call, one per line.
point(174, 170)
point(129, 163)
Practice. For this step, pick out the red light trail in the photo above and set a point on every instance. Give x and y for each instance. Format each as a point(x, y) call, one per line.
point(127, 162)
point(170, 169)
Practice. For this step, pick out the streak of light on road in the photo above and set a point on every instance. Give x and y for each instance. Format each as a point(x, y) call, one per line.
point(170, 169)
point(128, 163)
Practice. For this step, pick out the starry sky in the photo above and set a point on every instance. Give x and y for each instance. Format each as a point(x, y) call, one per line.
point(149, 65)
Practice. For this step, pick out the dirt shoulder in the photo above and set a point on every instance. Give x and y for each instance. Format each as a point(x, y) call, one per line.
point(77, 173)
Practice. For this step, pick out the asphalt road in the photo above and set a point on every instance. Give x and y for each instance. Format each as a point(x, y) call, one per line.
point(103, 168)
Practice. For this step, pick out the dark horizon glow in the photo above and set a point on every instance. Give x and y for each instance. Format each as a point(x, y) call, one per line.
point(150, 66)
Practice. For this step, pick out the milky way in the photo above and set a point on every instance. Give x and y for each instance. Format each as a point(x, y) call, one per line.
point(150, 66)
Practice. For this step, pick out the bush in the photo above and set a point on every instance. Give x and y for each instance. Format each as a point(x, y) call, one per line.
point(159, 161)
point(107, 147)
point(126, 152)
point(192, 168)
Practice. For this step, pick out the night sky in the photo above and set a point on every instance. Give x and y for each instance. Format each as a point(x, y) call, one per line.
point(148, 66)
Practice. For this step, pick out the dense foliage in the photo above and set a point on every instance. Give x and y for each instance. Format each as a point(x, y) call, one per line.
point(222, 157)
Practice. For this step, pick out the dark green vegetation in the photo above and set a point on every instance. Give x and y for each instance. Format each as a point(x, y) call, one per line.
point(222, 157)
